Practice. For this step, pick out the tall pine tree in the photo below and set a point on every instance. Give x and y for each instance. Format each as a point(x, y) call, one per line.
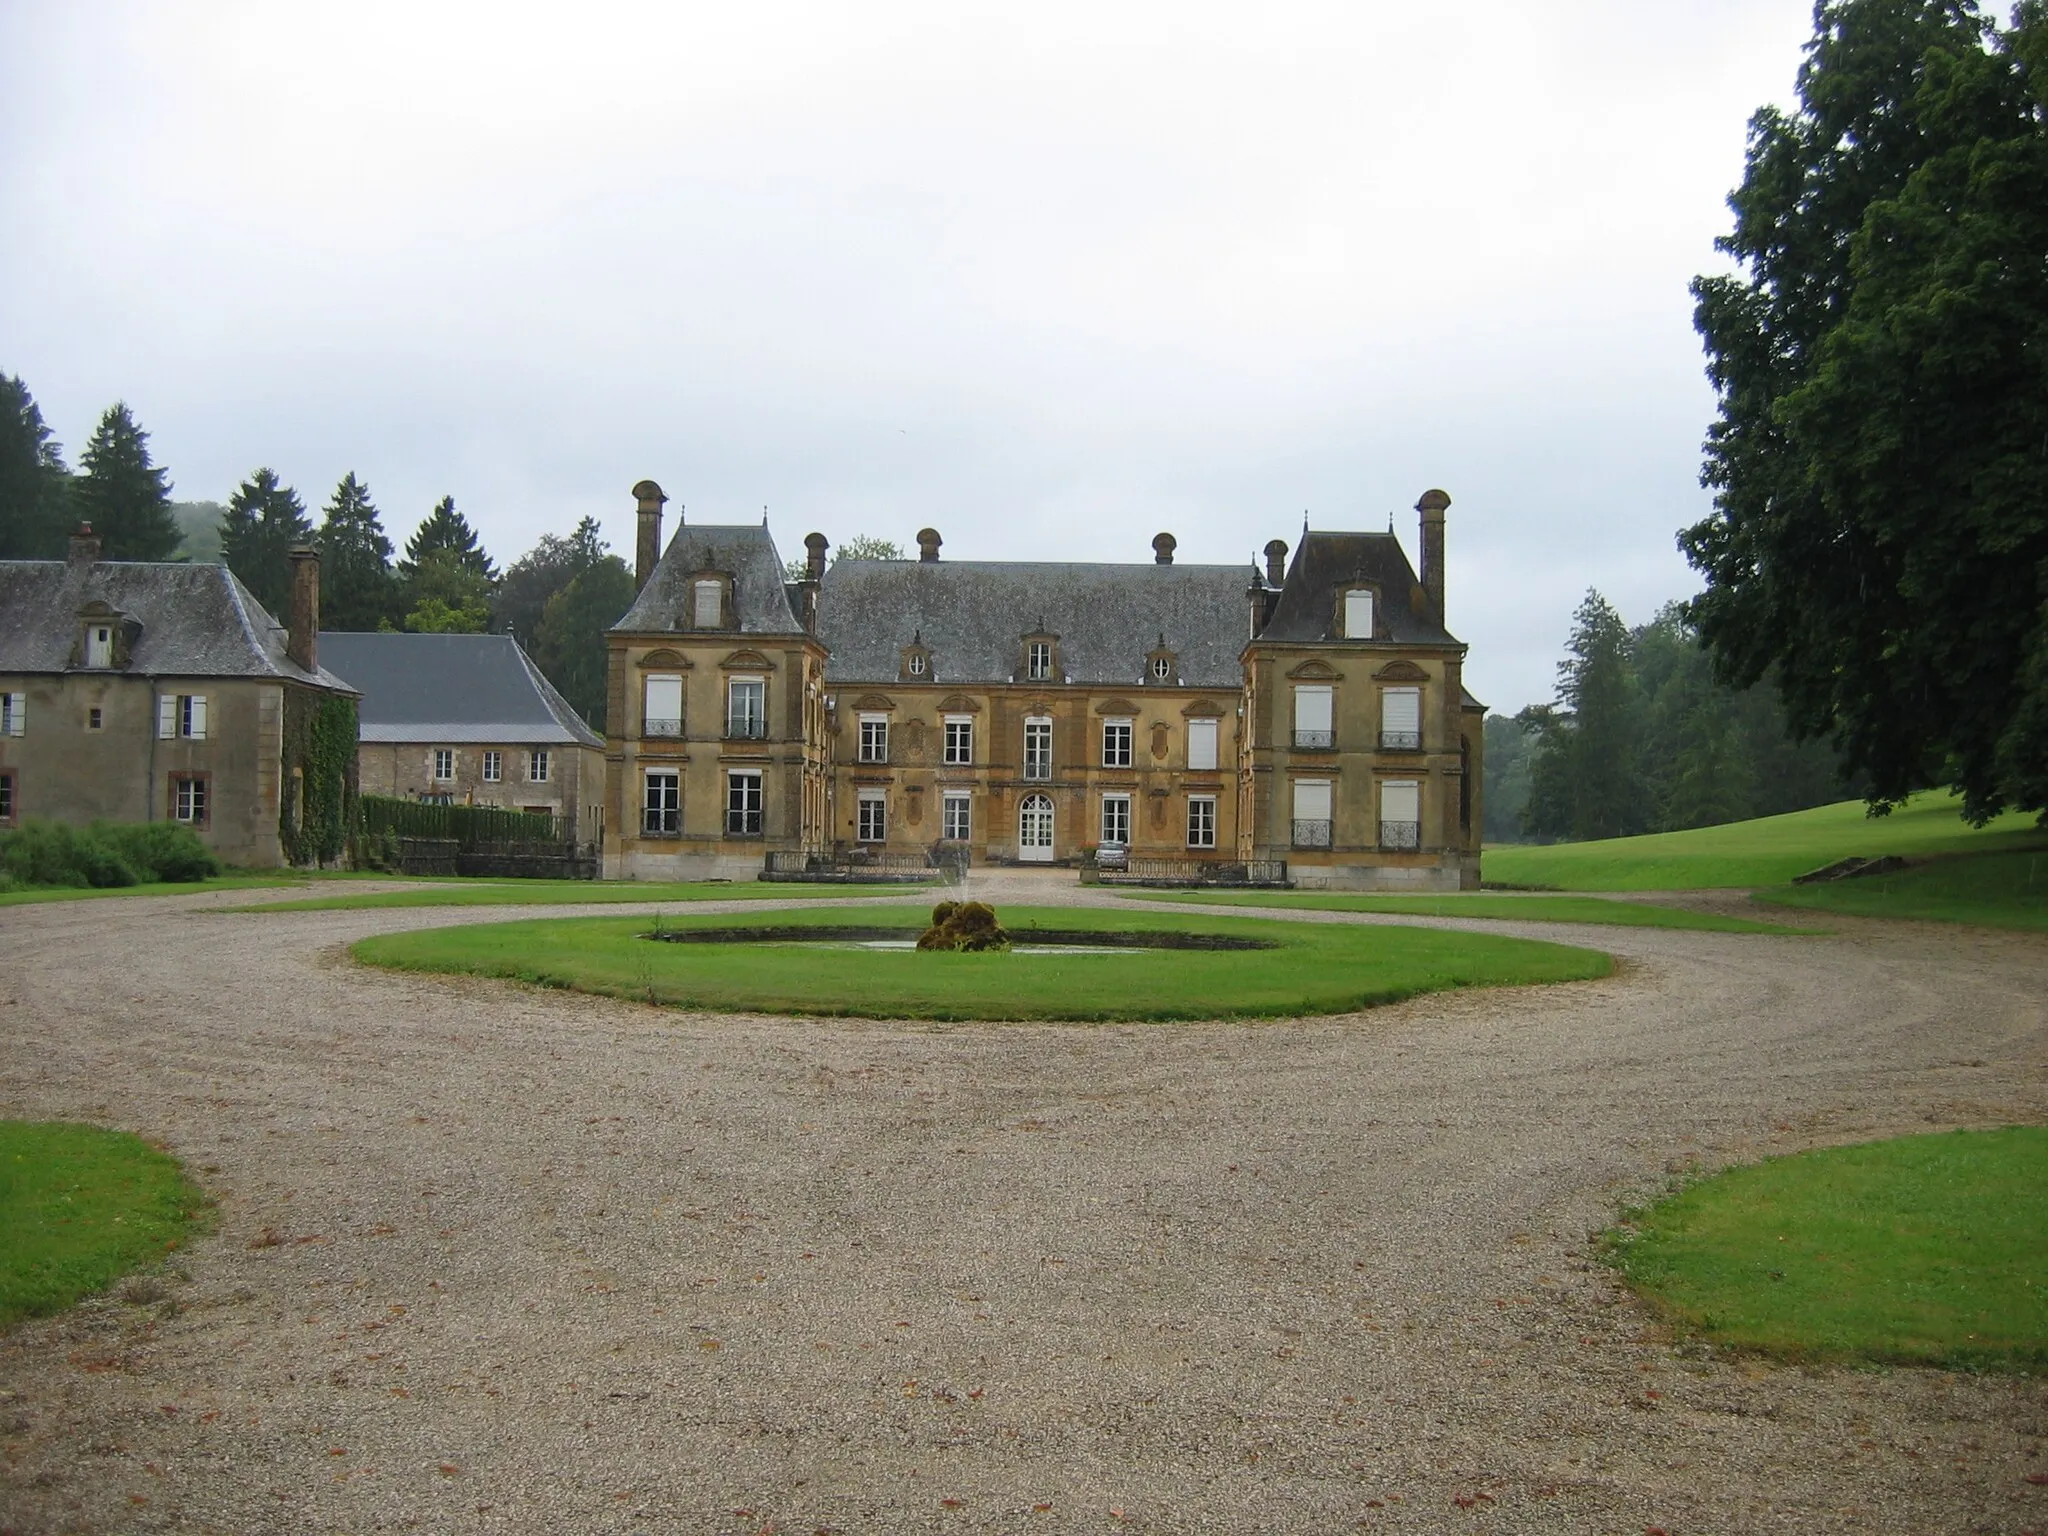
point(1587, 779)
point(265, 522)
point(34, 484)
point(125, 497)
point(447, 529)
point(357, 587)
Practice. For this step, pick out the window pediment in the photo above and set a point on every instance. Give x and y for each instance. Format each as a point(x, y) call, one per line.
point(1116, 707)
point(1203, 709)
point(1315, 670)
point(664, 660)
point(749, 661)
point(1400, 672)
point(875, 702)
point(959, 704)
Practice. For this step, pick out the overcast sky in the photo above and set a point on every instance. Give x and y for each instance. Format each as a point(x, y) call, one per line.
point(1050, 278)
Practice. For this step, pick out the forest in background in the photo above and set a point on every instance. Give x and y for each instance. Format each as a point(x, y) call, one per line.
point(1642, 738)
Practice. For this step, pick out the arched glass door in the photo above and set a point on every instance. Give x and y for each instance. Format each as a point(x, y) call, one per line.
point(1034, 830)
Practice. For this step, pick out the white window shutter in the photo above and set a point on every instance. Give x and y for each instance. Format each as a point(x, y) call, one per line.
point(1401, 709)
point(199, 717)
point(17, 714)
point(1311, 799)
point(1401, 800)
point(1201, 744)
point(166, 716)
point(1312, 708)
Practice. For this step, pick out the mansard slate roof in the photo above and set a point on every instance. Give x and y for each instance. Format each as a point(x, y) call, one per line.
point(1307, 610)
point(745, 553)
point(192, 620)
point(972, 615)
point(452, 688)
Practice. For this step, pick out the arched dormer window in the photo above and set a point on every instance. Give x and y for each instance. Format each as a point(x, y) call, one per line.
point(1358, 613)
point(917, 660)
point(711, 601)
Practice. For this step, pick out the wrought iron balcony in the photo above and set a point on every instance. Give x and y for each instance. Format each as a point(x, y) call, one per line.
point(1400, 741)
point(1315, 741)
point(661, 728)
point(1311, 834)
point(1401, 836)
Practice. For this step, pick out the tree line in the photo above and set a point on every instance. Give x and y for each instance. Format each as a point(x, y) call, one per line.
point(1643, 738)
point(558, 599)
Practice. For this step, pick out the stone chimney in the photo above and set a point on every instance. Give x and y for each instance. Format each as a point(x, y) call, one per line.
point(1276, 562)
point(85, 546)
point(647, 550)
point(928, 542)
point(1432, 508)
point(302, 639)
point(815, 545)
point(1162, 548)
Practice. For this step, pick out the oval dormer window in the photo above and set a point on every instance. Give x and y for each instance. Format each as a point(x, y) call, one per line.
point(1162, 668)
point(916, 664)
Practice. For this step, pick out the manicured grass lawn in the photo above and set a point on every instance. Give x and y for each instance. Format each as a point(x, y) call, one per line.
point(1768, 851)
point(1925, 1249)
point(534, 893)
point(1526, 909)
point(1324, 968)
point(79, 1207)
point(234, 882)
point(1997, 890)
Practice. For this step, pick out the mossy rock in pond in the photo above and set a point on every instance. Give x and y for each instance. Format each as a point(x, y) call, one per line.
point(964, 926)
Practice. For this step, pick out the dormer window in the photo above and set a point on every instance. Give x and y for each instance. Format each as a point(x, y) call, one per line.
point(917, 659)
point(99, 645)
point(1038, 661)
point(916, 666)
point(708, 606)
point(1162, 666)
point(1358, 615)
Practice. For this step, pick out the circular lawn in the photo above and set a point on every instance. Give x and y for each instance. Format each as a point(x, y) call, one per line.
point(809, 962)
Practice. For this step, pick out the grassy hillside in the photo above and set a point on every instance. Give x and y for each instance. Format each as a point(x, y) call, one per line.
point(1994, 890)
point(1769, 851)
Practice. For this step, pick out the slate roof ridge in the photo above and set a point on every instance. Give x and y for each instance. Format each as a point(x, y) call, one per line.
point(454, 688)
point(564, 712)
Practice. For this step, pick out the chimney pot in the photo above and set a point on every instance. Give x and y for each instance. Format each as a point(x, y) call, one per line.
point(302, 638)
point(85, 546)
point(1162, 548)
point(1276, 562)
point(928, 542)
point(647, 549)
point(1432, 506)
point(815, 545)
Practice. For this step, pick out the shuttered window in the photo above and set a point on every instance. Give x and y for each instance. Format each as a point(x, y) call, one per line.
point(1357, 615)
point(13, 714)
point(181, 714)
point(1201, 744)
point(710, 604)
point(1401, 719)
point(662, 714)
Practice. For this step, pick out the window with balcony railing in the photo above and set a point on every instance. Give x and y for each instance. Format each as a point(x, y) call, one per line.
point(1401, 836)
point(661, 813)
point(746, 709)
point(1311, 834)
point(1400, 741)
point(1315, 741)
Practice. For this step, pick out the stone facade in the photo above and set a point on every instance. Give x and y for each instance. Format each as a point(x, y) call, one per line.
point(1032, 713)
point(142, 691)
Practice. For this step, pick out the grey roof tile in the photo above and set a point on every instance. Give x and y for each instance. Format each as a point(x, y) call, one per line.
point(745, 552)
point(194, 620)
point(1326, 561)
point(452, 688)
point(973, 615)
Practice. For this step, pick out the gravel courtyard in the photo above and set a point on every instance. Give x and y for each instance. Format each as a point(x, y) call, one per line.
point(491, 1259)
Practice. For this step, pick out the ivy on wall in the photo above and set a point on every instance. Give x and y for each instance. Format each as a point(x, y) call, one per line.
point(313, 822)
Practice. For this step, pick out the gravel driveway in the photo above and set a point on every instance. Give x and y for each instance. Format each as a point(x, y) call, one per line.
point(494, 1259)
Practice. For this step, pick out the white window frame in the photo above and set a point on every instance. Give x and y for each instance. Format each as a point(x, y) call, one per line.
point(181, 715)
point(1358, 614)
point(494, 767)
point(13, 714)
point(916, 665)
point(667, 805)
point(1037, 735)
point(658, 691)
point(871, 816)
point(713, 589)
point(1162, 669)
point(741, 786)
point(959, 748)
point(1116, 816)
point(1201, 821)
point(1119, 741)
point(189, 794)
point(1313, 702)
point(874, 739)
point(751, 687)
point(1038, 661)
point(539, 765)
point(956, 816)
point(1202, 758)
point(444, 765)
point(1401, 715)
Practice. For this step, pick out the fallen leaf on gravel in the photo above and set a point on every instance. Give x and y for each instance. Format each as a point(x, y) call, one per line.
point(2037, 1478)
point(950, 1503)
point(449, 1469)
point(709, 1344)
